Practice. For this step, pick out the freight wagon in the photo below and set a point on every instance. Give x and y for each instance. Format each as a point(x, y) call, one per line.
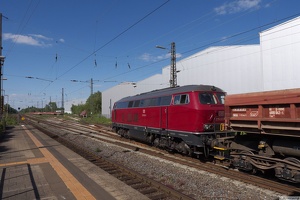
point(267, 126)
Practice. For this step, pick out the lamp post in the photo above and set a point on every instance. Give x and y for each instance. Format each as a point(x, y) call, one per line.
point(173, 72)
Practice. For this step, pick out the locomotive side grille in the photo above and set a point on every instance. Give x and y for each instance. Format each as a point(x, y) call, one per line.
point(221, 113)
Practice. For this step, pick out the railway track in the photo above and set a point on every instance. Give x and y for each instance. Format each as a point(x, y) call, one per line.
point(148, 187)
point(103, 134)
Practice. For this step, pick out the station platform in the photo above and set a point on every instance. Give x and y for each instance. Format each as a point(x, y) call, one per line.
point(34, 166)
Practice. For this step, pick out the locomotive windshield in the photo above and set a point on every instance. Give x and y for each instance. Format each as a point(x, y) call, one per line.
point(211, 98)
point(221, 97)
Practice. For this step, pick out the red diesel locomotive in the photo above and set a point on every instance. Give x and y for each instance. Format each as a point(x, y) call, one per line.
point(181, 118)
point(255, 131)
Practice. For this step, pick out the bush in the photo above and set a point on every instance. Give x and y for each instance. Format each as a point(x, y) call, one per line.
point(96, 119)
point(11, 120)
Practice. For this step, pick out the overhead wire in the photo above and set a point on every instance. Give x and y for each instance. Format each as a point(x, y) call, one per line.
point(216, 42)
point(210, 44)
point(110, 41)
point(21, 26)
point(114, 38)
point(241, 33)
point(202, 19)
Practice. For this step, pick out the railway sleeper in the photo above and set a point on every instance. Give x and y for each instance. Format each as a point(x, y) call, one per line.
point(140, 186)
point(158, 196)
point(148, 190)
point(133, 181)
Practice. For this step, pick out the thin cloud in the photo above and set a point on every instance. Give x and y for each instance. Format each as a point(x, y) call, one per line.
point(146, 57)
point(237, 6)
point(31, 39)
point(40, 37)
point(149, 58)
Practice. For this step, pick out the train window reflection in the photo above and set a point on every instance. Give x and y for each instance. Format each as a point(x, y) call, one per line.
point(207, 98)
point(153, 102)
point(221, 97)
point(181, 99)
point(121, 105)
point(130, 104)
point(165, 101)
point(136, 103)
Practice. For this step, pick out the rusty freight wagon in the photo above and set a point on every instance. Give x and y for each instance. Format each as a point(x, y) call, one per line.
point(267, 126)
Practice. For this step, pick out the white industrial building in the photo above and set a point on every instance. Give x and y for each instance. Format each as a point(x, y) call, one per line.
point(271, 65)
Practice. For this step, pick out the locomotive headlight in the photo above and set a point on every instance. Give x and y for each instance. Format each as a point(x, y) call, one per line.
point(208, 127)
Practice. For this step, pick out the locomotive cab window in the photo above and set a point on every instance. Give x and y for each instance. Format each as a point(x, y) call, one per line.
point(153, 102)
point(181, 99)
point(121, 105)
point(142, 103)
point(166, 100)
point(207, 98)
point(136, 103)
point(221, 97)
point(130, 104)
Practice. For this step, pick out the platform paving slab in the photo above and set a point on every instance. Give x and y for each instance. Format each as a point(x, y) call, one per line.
point(27, 172)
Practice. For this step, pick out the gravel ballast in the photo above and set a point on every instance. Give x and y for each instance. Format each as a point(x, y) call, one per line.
point(195, 183)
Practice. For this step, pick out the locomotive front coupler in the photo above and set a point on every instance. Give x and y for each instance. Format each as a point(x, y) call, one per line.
point(219, 142)
point(219, 147)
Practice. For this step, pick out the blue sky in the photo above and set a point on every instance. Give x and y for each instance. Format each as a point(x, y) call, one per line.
point(56, 41)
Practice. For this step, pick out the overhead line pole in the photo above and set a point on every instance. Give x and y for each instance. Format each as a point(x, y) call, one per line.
point(62, 101)
point(173, 72)
point(92, 85)
point(1, 64)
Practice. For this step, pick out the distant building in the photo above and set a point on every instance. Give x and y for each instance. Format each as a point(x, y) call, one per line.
point(271, 65)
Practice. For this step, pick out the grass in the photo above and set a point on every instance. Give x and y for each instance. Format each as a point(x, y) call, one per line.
point(96, 119)
point(11, 120)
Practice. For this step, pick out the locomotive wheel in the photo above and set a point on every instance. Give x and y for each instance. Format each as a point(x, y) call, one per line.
point(156, 142)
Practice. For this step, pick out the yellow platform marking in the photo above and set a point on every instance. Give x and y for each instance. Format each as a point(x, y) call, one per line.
point(78, 190)
point(13, 164)
point(31, 161)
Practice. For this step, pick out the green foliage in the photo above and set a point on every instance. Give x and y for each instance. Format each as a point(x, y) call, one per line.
point(51, 107)
point(92, 105)
point(8, 120)
point(77, 109)
point(9, 109)
point(11, 120)
point(31, 109)
point(96, 119)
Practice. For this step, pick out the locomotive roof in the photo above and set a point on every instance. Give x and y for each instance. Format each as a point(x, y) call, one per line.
point(169, 91)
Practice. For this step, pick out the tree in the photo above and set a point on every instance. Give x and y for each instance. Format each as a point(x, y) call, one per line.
point(51, 107)
point(9, 109)
point(94, 103)
point(77, 109)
